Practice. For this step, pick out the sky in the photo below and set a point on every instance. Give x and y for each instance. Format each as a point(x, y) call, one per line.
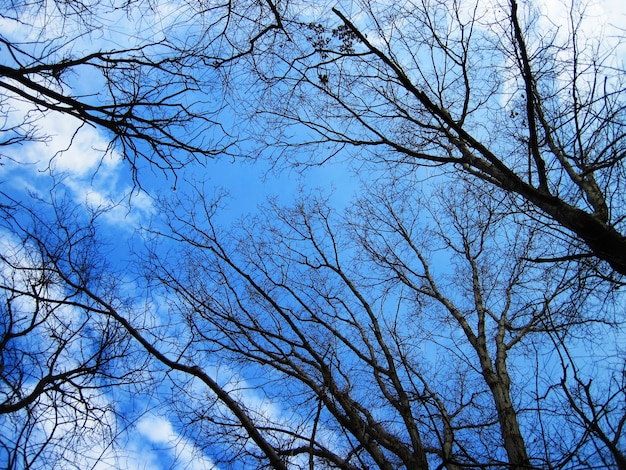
point(92, 180)
point(72, 161)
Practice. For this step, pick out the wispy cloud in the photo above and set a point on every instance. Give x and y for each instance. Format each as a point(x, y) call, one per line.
point(159, 431)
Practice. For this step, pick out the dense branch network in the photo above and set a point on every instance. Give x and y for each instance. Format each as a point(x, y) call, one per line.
point(463, 312)
point(422, 94)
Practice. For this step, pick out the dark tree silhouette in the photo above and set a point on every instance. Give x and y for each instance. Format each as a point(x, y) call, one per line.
point(59, 358)
point(156, 92)
point(382, 356)
point(525, 103)
point(464, 311)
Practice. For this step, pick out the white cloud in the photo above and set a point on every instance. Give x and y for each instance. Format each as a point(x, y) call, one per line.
point(156, 429)
point(159, 431)
point(68, 144)
point(78, 156)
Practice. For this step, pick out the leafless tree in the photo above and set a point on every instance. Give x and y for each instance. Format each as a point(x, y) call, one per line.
point(594, 388)
point(381, 355)
point(497, 90)
point(394, 337)
point(441, 329)
point(72, 343)
point(58, 358)
point(155, 88)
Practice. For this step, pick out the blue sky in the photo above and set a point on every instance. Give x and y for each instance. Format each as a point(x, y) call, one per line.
point(89, 181)
point(72, 162)
point(74, 156)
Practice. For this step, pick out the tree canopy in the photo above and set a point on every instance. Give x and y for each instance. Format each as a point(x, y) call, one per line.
point(462, 307)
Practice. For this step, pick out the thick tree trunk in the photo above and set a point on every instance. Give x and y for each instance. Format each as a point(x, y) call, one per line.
point(513, 440)
point(514, 443)
point(498, 382)
point(603, 240)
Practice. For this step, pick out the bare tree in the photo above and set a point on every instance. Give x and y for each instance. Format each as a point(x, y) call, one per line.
point(72, 343)
point(395, 338)
point(523, 102)
point(58, 358)
point(380, 357)
point(407, 334)
point(152, 84)
point(74, 348)
point(595, 390)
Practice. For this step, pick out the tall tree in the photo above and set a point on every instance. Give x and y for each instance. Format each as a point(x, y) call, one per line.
point(383, 356)
point(468, 326)
point(145, 77)
point(72, 343)
point(523, 102)
point(60, 359)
